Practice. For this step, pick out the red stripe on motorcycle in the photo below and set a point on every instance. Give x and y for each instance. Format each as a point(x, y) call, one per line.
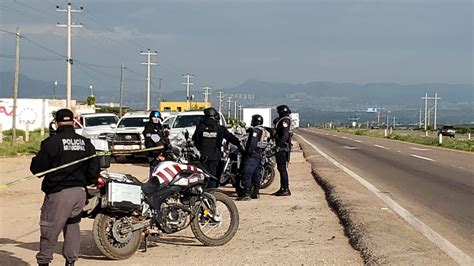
point(170, 172)
point(163, 177)
point(177, 168)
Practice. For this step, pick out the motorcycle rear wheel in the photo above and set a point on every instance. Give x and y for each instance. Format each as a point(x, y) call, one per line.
point(107, 243)
point(267, 176)
point(202, 225)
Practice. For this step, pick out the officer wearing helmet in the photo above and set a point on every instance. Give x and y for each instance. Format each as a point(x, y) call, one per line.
point(251, 170)
point(208, 140)
point(156, 135)
point(283, 147)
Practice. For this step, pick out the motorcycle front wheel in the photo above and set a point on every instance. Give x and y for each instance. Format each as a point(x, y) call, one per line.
point(112, 237)
point(217, 225)
point(267, 176)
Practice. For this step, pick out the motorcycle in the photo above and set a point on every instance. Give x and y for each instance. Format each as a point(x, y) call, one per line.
point(174, 198)
point(231, 166)
point(268, 166)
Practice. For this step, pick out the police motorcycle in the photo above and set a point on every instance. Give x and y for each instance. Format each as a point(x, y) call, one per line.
point(268, 165)
point(126, 210)
point(232, 160)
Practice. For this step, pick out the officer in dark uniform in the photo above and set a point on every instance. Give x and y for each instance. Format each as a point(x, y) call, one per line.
point(65, 189)
point(156, 135)
point(52, 125)
point(283, 148)
point(251, 169)
point(208, 140)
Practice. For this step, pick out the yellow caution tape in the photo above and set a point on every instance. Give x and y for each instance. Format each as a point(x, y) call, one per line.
point(12, 183)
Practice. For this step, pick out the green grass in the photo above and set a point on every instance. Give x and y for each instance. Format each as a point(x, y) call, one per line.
point(414, 137)
point(20, 147)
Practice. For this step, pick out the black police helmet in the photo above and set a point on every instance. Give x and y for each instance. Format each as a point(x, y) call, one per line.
point(283, 110)
point(155, 117)
point(257, 120)
point(211, 113)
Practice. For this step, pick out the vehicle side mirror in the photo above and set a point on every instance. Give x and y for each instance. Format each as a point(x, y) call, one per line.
point(113, 125)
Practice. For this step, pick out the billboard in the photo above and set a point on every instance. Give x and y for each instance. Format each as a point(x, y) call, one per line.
point(371, 109)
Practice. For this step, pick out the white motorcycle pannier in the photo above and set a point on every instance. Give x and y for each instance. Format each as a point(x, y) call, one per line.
point(122, 196)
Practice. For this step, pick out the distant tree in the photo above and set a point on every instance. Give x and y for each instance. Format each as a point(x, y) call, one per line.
point(91, 100)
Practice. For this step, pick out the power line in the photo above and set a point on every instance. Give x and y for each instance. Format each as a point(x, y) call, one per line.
point(36, 58)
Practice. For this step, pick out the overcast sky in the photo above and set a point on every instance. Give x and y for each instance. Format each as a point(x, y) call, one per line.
point(225, 42)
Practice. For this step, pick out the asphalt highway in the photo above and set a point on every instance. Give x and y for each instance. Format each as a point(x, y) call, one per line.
point(435, 185)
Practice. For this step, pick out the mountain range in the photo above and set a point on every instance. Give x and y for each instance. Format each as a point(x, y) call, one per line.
point(315, 101)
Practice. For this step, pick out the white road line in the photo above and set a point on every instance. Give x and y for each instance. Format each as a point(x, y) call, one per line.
point(380, 146)
point(455, 253)
point(351, 147)
point(419, 149)
point(356, 140)
point(335, 135)
point(344, 137)
point(421, 157)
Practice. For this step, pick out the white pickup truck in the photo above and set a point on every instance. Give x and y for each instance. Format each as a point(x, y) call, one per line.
point(96, 126)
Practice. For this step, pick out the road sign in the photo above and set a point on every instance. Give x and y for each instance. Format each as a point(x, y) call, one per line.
point(371, 110)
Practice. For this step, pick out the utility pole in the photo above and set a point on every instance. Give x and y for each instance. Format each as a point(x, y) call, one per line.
point(188, 84)
point(435, 108)
point(220, 97)
point(121, 89)
point(55, 86)
point(420, 118)
point(228, 109)
point(15, 84)
point(69, 60)
point(206, 94)
point(427, 113)
point(235, 110)
point(148, 77)
point(240, 112)
point(426, 110)
point(159, 95)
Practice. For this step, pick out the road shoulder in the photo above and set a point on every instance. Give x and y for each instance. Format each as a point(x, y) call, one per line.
point(379, 234)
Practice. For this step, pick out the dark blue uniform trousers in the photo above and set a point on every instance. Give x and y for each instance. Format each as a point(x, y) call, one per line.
point(252, 170)
point(282, 166)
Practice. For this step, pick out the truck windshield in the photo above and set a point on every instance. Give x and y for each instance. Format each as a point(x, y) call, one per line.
point(133, 122)
point(187, 121)
point(100, 121)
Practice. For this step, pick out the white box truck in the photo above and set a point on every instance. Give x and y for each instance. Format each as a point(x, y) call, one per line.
point(266, 113)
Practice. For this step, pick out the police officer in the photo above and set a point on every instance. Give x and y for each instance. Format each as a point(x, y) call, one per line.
point(208, 140)
point(52, 125)
point(251, 169)
point(283, 147)
point(64, 189)
point(156, 135)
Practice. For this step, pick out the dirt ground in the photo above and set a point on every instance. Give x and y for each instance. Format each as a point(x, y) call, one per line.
point(295, 230)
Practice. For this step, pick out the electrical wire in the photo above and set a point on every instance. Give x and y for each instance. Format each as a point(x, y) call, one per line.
point(35, 58)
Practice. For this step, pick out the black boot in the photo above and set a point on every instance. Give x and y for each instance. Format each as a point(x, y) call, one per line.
point(69, 263)
point(283, 192)
point(254, 194)
point(279, 191)
point(245, 195)
point(43, 264)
